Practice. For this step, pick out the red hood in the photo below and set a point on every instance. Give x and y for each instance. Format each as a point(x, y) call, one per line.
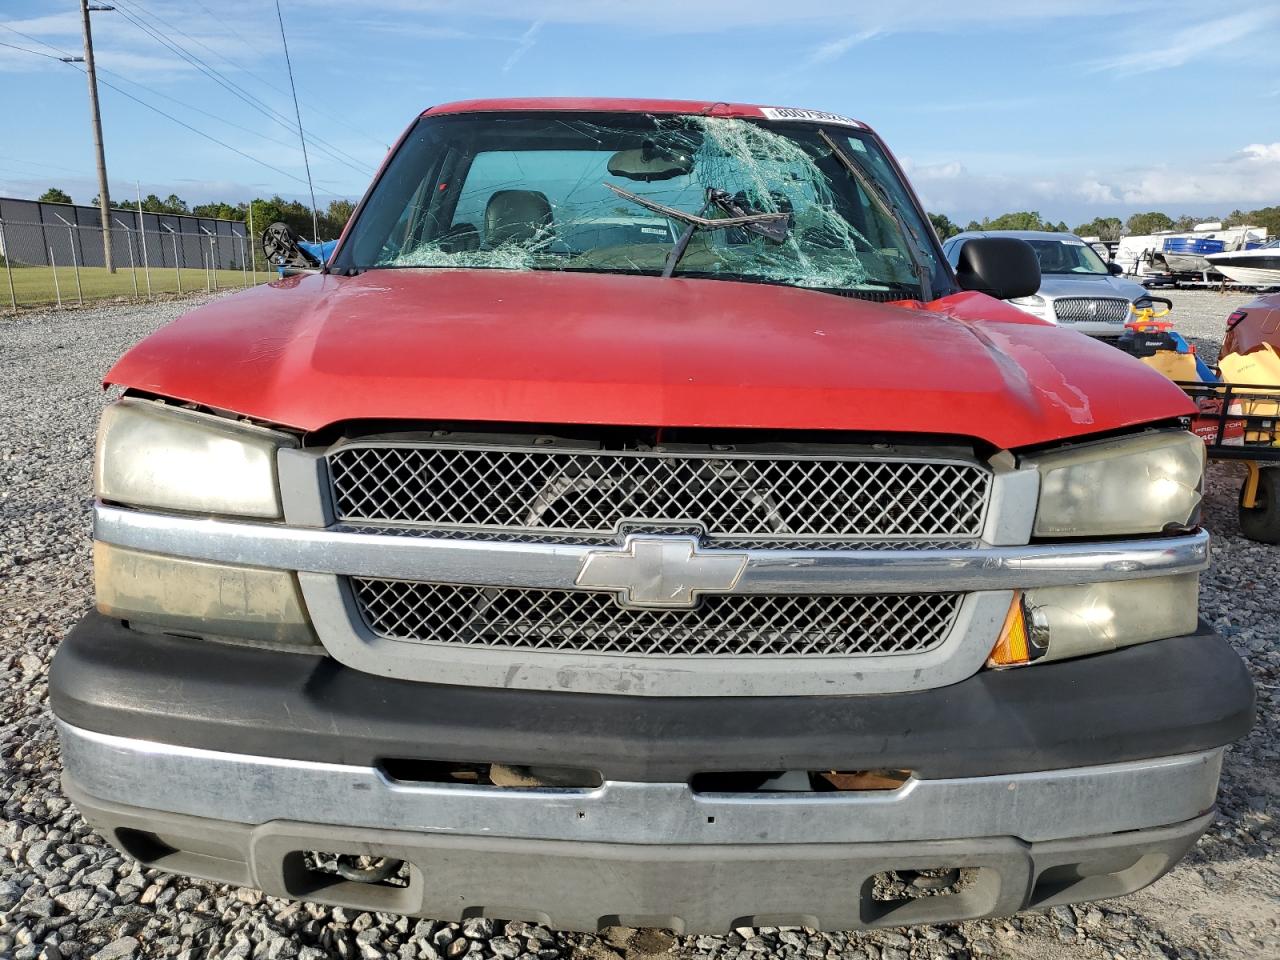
point(544, 347)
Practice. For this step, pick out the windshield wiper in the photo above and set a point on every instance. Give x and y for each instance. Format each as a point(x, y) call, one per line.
point(772, 226)
point(881, 198)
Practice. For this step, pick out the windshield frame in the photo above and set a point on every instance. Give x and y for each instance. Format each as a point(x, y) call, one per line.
point(942, 277)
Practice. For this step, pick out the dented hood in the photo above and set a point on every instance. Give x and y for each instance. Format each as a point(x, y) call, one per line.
point(545, 347)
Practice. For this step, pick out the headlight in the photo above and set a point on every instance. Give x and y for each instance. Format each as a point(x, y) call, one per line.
point(1132, 485)
point(245, 604)
point(1055, 623)
point(154, 455)
point(1032, 302)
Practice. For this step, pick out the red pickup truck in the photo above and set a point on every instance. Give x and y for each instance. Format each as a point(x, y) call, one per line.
point(638, 522)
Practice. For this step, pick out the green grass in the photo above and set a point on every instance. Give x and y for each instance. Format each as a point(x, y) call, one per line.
point(35, 285)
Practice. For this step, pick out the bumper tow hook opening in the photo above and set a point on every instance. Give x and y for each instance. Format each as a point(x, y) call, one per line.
point(899, 886)
point(371, 871)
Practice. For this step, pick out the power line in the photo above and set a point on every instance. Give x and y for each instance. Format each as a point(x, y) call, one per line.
point(191, 106)
point(14, 46)
point(166, 115)
point(207, 136)
point(269, 112)
point(43, 166)
point(143, 86)
point(315, 217)
point(223, 24)
point(255, 102)
point(12, 29)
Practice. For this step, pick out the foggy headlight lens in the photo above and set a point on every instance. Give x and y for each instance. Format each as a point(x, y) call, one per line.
point(1057, 623)
point(247, 604)
point(153, 455)
point(1033, 302)
point(1096, 617)
point(1133, 485)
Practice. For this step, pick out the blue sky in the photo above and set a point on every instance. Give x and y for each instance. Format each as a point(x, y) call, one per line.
point(1075, 109)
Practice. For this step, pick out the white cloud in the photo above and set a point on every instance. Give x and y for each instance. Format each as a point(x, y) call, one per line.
point(1248, 178)
point(1218, 34)
point(1095, 191)
point(835, 49)
point(523, 45)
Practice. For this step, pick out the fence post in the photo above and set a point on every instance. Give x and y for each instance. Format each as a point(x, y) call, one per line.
point(53, 265)
point(133, 266)
point(244, 267)
point(253, 254)
point(75, 261)
point(210, 277)
point(176, 268)
point(8, 267)
point(142, 232)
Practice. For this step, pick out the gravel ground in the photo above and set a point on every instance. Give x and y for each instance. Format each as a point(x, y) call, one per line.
point(65, 893)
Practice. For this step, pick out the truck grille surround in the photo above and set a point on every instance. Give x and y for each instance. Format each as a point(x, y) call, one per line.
point(728, 500)
point(1091, 309)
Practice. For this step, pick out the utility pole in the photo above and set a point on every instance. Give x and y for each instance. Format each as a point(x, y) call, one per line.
point(104, 199)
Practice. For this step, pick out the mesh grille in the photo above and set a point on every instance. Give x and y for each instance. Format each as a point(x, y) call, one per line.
point(727, 625)
point(795, 499)
point(1091, 310)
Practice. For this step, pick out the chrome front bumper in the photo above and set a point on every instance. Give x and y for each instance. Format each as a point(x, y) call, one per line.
point(644, 853)
point(324, 557)
point(1044, 805)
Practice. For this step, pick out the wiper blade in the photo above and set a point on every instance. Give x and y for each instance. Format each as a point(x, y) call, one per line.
point(890, 209)
point(702, 223)
point(774, 226)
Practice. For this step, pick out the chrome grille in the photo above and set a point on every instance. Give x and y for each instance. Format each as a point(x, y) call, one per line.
point(796, 499)
point(722, 625)
point(1091, 310)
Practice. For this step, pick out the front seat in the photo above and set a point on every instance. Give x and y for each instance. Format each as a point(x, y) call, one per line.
point(515, 216)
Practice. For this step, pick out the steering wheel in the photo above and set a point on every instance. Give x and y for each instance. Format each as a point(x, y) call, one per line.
point(1147, 314)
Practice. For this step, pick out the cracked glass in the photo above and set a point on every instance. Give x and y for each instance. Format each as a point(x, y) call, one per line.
point(641, 193)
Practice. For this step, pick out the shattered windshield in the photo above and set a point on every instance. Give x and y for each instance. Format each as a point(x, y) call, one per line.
point(641, 193)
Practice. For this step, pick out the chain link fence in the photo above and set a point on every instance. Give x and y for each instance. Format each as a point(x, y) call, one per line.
point(55, 255)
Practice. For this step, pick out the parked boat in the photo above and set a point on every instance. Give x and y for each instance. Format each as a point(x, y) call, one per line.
point(1256, 267)
point(1187, 254)
point(1182, 253)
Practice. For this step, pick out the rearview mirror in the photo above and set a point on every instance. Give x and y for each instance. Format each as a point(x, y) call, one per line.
point(650, 162)
point(1001, 267)
point(1115, 268)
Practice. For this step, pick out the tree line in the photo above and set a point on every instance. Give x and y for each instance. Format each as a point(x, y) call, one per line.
point(265, 211)
point(1111, 228)
point(333, 218)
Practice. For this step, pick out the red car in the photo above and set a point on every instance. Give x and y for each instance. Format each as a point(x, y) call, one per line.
point(638, 521)
point(1252, 325)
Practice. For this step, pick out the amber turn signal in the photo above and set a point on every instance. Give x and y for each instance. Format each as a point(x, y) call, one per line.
point(1014, 648)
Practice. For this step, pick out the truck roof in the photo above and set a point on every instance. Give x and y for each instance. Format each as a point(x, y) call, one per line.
point(714, 108)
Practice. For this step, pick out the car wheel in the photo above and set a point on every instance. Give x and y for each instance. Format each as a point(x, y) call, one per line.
point(1261, 522)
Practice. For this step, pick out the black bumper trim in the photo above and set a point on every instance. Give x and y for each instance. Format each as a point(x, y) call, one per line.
point(1181, 695)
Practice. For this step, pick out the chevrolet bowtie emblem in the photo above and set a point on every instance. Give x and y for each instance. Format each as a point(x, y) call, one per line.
point(661, 571)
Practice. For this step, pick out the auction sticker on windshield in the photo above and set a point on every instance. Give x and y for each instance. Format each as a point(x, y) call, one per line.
point(813, 116)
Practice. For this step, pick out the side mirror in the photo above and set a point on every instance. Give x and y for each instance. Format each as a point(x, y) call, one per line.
point(1115, 268)
point(1002, 267)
